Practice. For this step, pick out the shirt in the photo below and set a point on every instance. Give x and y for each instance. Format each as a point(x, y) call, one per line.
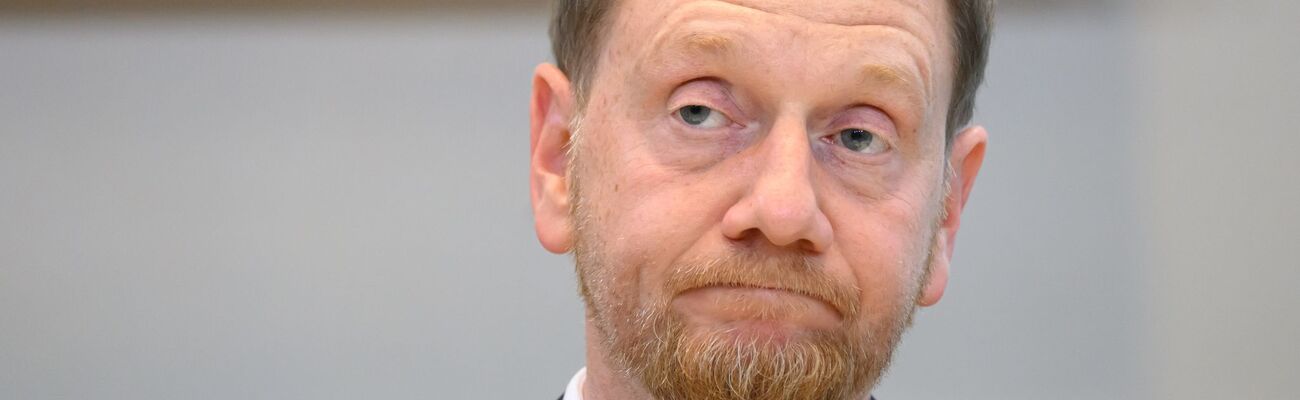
point(574, 391)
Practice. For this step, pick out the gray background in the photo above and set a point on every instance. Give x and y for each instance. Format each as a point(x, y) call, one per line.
point(303, 203)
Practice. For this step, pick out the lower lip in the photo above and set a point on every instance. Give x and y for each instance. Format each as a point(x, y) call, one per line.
point(732, 305)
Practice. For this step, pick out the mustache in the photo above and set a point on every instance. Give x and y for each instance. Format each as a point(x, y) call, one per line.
point(789, 272)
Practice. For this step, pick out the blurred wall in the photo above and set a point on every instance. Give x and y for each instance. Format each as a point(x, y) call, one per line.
point(1220, 186)
point(294, 203)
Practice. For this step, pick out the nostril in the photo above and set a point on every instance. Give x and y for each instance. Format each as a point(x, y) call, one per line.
point(756, 239)
point(746, 237)
point(807, 245)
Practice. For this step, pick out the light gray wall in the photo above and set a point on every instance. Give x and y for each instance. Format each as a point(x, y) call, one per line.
point(325, 205)
point(274, 207)
point(1220, 190)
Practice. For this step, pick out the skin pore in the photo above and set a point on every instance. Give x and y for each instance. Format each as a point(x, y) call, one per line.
point(761, 173)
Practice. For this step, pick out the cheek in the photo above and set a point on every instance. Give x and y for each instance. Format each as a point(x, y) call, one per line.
point(658, 217)
point(644, 216)
point(684, 150)
point(884, 255)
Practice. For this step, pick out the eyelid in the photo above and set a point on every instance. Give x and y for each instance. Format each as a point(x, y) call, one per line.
point(713, 95)
point(725, 121)
point(865, 117)
point(878, 138)
point(730, 121)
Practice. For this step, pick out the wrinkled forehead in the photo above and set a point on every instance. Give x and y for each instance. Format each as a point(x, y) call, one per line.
point(911, 15)
point(644, 30)
point(837, 12)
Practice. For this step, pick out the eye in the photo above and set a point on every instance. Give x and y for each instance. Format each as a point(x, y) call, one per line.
point(862, 141)
point(702, 117)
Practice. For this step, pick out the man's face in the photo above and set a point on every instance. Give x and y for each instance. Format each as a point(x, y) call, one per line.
point(758, 188)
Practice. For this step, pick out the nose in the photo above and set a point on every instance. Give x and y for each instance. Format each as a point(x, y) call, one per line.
point(781, 205)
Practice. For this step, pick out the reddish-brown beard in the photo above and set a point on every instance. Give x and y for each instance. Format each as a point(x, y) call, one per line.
point(652, 344)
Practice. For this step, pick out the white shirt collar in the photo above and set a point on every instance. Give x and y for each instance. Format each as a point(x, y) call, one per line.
point(574, 391)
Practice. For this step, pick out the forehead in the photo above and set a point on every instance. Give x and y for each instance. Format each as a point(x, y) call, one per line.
point(924, 20)
point(898, 13)
point(914, 32)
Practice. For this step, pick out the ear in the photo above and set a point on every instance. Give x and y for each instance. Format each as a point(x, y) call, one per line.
point(965, 160)
point(551, 110)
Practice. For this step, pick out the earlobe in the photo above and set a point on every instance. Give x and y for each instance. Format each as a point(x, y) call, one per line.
point(936, 279)
point(965, 159)
point(551, 110)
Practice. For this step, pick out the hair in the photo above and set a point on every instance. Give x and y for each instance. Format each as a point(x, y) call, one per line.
point(578, 26)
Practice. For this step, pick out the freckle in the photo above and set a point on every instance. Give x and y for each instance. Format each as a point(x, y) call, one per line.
point(615, 188)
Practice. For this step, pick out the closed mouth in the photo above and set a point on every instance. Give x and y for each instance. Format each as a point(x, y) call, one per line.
point(804, 293)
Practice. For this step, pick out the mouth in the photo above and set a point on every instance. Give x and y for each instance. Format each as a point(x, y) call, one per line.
point(733, 302)
point(738, 285)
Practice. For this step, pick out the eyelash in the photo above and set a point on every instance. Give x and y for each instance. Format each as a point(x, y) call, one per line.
point(835, 138)
point(839, 139)
point(713, 112)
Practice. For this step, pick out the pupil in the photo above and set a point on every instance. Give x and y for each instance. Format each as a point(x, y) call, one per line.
point(855, 139)
point(695, 115)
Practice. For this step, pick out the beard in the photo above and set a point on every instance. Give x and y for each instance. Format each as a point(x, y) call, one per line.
point(651, 343)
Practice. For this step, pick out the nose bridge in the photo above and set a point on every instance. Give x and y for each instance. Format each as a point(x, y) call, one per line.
point(782, 203)
point(785, 175)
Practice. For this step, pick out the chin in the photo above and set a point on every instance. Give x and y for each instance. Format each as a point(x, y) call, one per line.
point(759, 331)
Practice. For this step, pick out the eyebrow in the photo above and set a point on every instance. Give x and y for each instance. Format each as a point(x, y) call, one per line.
point(670, 52)
point(684, 47)
point(883, 74)
point(706, 43)
point(896, 79)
